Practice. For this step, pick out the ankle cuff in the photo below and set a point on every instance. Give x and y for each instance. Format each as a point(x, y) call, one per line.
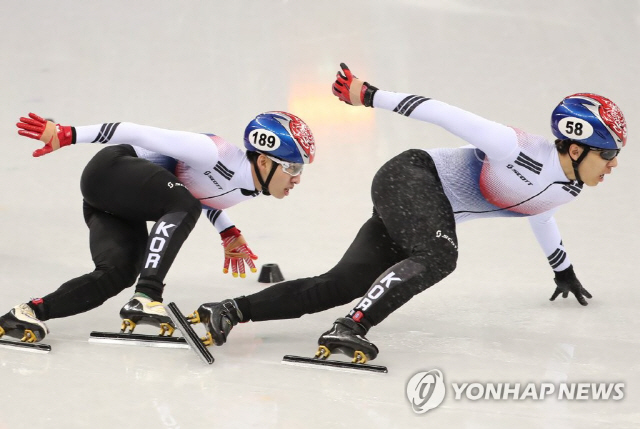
point(151, 288)
point(38, 310)
point(244, 308)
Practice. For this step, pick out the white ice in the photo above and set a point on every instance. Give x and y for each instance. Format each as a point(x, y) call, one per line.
point(210, 67)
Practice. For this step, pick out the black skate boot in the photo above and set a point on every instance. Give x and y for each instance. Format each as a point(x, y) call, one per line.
point(218, 318)
point(21, 322)
point(347, 337)
point(141, 310)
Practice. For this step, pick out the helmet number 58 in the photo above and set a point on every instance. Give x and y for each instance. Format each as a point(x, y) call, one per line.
point(575, 128)
point(264, 140)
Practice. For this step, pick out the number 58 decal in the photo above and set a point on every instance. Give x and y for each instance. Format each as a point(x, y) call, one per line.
point(575, 128)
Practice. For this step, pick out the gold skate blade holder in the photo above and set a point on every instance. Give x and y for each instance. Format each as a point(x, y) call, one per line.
point(29, 336)
point(359, 357)
point(166, 328)
point(207, 340)
point(193, 318)
point(127, 324)
point(323, 353)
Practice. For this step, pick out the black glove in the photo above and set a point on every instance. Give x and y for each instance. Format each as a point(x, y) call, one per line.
point(566, 281)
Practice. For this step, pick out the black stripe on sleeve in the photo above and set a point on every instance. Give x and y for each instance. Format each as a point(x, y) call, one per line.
point(557, 258)
point(409, 104)
point(106, 132)
point(213, 215)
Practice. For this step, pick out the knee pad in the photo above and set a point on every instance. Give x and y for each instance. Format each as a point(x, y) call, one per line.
point(186, 203)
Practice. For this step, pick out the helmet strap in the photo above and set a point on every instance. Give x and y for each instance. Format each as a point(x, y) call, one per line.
point(264, 183)
point(576, 163)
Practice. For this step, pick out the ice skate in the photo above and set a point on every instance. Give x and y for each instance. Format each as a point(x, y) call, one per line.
point(218, 318)
point(347, 337)
point(141, 310)
point(22, 323)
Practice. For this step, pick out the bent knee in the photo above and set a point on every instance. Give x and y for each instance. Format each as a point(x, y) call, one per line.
point(193, 206)
point(446, 264)
point(185, 202)
point(438, 266)
point(449, 263)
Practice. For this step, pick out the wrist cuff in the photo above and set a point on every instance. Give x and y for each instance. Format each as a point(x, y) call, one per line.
point(566, 274)
point(232, 231)
point(368, 91)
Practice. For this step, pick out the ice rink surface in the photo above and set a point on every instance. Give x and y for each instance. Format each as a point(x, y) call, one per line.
point(212, 66)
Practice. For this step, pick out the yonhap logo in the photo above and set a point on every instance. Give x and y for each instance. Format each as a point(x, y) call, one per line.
point(425, 391)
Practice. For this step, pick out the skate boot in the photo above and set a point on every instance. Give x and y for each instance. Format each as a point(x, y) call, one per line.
point(218, 318)
point(21, 322)
point(347, 337)
point(140, 310)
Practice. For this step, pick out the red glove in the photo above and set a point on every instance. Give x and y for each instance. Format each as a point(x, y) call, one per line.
point(53, 135)
point(236, 253)
point(352, 90)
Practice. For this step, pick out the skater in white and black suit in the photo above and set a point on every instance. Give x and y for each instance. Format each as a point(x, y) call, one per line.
point(169, 177)
point(410, 242)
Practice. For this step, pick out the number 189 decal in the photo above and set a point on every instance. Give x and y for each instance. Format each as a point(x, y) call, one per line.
point(264, 140)
point(575, 128)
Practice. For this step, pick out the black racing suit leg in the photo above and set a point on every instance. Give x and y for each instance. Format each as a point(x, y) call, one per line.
point(121, 193)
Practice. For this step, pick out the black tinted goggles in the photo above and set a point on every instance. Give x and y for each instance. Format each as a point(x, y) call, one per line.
point(607, 154)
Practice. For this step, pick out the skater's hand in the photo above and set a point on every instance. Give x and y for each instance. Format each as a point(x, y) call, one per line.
point(352, 90)
point(566, 281)
point(53, 136)
point(236, 253)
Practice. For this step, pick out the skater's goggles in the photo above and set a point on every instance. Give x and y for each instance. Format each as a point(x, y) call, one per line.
point(291, 168)
point(607, 154)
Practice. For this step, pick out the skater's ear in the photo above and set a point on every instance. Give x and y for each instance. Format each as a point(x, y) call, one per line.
point(263, 161)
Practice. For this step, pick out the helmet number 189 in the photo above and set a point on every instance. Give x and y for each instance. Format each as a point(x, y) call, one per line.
point(264, 140)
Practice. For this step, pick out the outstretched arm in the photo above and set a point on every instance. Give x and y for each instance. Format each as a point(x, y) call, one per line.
point(192, 148)
point(496, 140)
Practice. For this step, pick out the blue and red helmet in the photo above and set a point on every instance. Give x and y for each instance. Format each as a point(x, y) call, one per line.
point(591, 120)
point(281, 135)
